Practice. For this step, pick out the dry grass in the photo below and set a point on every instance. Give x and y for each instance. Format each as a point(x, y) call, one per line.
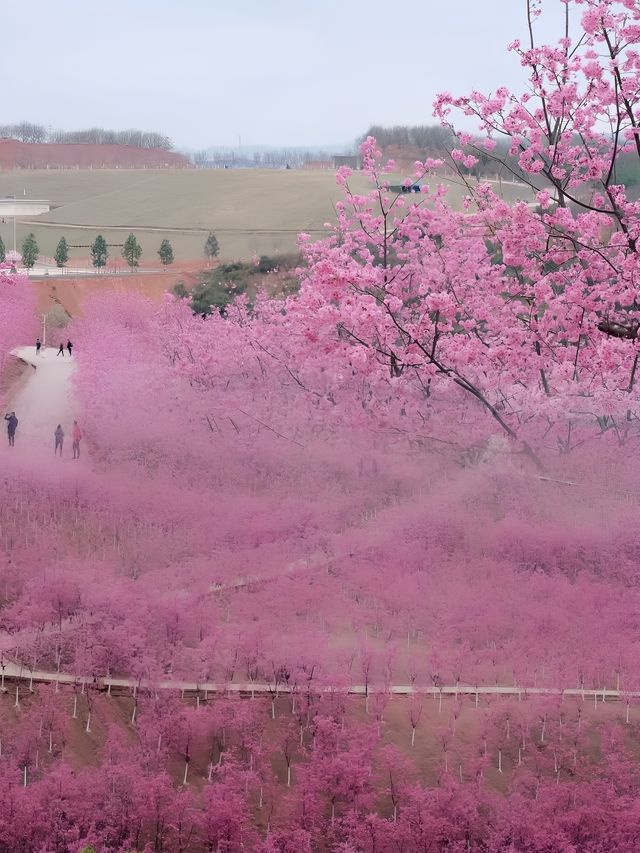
point(251, 210)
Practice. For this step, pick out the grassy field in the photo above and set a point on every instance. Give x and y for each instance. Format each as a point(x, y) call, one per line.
point(251, 210)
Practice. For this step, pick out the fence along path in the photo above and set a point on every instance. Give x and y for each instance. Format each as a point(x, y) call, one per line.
point(14, 673)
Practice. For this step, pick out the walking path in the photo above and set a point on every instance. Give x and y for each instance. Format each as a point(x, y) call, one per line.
point(43, 402)
point(12, 672)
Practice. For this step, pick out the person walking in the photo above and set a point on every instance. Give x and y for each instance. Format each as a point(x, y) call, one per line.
point(77, 436)
point(69, 347)
point(12, 426)
point(59, 436)
point(61, 350)
point(38, 346)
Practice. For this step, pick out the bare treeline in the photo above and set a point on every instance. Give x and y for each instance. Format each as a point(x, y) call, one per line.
point(24, 132)
point(27, 132)
point(438, 141)
point(100, 136)
point(423, 136)
point(269, 159)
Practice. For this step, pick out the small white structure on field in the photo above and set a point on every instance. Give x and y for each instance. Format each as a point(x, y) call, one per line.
point(20, 207)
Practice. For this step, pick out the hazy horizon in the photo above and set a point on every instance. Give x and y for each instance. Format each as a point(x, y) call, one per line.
point(282, 74)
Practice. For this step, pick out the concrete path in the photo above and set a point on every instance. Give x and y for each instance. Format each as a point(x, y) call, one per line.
point(13, 672)
point(43, 402)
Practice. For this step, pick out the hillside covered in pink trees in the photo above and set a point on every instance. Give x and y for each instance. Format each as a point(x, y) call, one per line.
point(354, 570)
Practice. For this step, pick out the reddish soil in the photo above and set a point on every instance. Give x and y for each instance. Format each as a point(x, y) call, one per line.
point(12, 375)
point(28, 155)
point(71, 291)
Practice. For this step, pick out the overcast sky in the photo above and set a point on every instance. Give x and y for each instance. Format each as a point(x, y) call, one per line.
point(278, 72)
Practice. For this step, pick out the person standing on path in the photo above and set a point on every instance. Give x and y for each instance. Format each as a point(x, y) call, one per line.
point(38, 346)
point(61, 350)
point(12, 426)
point(59, 435)
point(77, 436)
point(69, 347)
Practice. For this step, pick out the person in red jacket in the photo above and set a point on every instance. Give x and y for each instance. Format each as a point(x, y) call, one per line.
point(77, 435)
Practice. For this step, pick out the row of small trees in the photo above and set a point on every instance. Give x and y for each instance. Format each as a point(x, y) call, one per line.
point(131, 251)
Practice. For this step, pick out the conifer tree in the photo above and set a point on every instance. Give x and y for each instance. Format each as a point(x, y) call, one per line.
point(166, 252)
point(131, 251)
point(61, 255)
point(99, 252)
point(211, 247)
point(30, 251)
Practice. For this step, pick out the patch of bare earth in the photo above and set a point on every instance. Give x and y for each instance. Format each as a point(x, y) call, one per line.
point(13, 374)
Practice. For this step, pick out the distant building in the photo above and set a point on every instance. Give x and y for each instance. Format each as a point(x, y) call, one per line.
point(350, 160)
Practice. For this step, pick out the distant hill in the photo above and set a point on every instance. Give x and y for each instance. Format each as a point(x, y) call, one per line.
point(47, 155)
